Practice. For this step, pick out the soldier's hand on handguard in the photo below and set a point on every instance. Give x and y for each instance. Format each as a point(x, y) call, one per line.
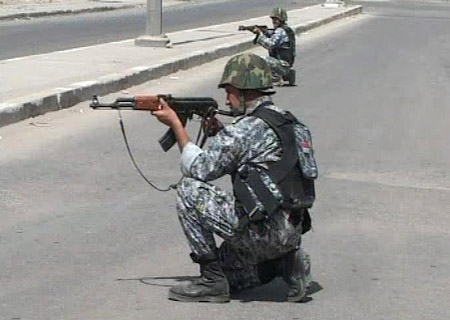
point(166, 114)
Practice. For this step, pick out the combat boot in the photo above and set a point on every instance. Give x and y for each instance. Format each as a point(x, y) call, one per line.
point(294, 273)
point(290, 77)
point(211, 286)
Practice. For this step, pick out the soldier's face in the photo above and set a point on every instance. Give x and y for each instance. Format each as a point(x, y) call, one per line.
point(276, 22)
point(232, 97)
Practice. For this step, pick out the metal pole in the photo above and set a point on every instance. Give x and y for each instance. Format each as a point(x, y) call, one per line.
point(153, 27)
point(154, 17)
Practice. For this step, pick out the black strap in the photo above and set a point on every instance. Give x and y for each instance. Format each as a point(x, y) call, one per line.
point(242, 193)
point(270, 202)
point(283, 127)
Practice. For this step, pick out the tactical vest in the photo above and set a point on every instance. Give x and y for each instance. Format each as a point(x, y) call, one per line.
point(287, 51)
point(293, 174)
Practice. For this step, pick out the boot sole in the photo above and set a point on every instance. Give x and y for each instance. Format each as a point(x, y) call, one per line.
point(301, 296)
point(298, 298)
point(214, 299)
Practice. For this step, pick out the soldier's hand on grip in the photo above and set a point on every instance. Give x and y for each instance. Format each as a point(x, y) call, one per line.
point(211, 126)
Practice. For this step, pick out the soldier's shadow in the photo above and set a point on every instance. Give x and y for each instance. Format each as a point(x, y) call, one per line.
point(274, 291)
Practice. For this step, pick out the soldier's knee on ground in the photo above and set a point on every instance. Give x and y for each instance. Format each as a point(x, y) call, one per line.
point(268, 270)
point(240, 274)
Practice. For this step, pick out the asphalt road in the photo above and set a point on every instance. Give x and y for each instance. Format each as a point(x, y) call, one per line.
point(42, 35)
point(83, 237)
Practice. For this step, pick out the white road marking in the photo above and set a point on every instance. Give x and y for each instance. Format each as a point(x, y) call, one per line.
point(390, 179)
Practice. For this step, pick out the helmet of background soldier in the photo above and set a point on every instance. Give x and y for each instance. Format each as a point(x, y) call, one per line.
point(247, 71)
point(279, 13)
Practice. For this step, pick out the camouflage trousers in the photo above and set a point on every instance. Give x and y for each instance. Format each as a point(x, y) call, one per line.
point(204, 210)
point(279, 68)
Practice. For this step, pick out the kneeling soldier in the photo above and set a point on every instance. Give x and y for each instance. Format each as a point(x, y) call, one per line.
point(269, 155)
point(280, 42)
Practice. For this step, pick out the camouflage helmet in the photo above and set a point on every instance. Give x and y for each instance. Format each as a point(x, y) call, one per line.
point(247, 71)
point(279, 13)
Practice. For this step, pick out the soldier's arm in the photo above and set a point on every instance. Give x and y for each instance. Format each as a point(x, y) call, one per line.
point(273, 41)
point(220, 157)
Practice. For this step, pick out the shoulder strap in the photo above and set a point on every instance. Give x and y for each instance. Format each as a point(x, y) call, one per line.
point(278, 171)
point(282, 124)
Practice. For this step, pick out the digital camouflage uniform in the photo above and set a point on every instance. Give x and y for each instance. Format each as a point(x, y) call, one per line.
point(252, 253)
point(272, 39)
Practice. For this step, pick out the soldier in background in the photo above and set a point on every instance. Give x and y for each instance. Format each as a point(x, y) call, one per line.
point(280, 42)
point(261, 234)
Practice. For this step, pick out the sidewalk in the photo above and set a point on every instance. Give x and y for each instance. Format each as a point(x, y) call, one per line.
point(33, 10)
point(48, 82)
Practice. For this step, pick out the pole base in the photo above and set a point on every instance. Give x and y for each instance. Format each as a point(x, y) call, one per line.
point(152, 41)
point(333, 4)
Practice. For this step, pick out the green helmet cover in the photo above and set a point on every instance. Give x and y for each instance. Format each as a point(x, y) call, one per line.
point(247, 71)
point(279, 13)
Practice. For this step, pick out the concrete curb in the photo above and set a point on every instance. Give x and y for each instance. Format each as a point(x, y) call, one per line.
point(67, 97)
point(37, 14)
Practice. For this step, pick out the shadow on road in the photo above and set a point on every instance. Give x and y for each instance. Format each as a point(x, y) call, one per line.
point(203, 39)
point(274, 291)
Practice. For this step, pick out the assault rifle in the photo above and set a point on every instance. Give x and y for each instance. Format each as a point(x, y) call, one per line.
point(186, 107)
point(263, 28)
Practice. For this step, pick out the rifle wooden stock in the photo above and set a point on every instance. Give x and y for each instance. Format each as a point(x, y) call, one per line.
point(141, 102)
